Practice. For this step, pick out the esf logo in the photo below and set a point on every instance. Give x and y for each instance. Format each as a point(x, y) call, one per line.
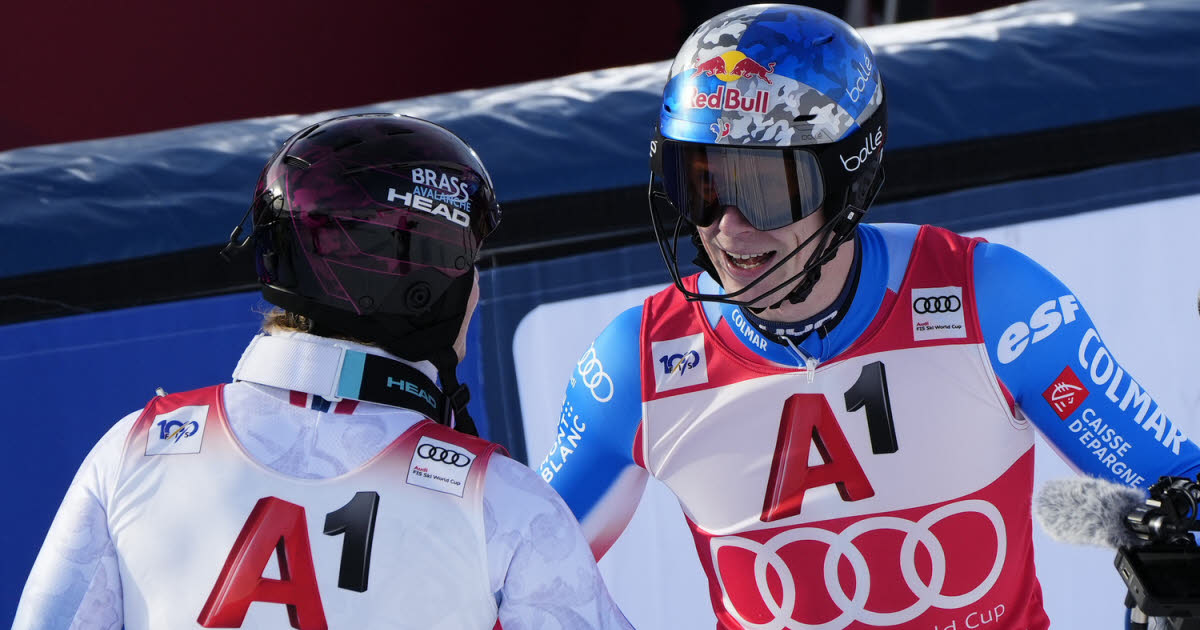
point(937, 304)
point(1044, 321)
point(175, 430)
point(679, 363)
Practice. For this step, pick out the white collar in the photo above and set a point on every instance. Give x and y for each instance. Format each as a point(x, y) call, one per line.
point(311, 364)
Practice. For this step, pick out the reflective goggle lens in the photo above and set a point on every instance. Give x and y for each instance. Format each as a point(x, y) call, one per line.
point(771, 187)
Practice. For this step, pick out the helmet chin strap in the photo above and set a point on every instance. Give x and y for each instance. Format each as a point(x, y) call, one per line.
point(836, 233)
point(453, 410)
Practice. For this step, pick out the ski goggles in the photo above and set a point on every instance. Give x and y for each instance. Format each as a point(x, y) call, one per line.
point(771, 187)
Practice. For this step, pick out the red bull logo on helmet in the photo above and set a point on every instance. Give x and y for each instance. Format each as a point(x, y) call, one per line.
point(729, 99)
point(729, 67)
point(733, 65)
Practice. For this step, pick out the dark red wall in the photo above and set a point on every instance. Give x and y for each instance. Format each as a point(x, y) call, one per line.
point(72, 70)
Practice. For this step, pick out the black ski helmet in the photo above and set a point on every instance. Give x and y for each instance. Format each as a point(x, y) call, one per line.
point(370, 226)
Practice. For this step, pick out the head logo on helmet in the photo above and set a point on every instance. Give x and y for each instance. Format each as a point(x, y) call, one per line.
point(370, 226)
point(769, 102)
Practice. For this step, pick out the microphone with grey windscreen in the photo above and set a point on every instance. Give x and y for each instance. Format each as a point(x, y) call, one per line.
point(1157, 556)
point(1089, 511)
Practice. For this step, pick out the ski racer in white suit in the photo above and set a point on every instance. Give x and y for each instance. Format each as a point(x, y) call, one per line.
point(845, 411)
point(333, 484)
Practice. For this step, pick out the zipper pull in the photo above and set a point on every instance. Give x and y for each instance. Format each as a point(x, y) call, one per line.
point(811, 364)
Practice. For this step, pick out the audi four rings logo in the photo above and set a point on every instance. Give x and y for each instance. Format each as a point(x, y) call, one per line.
point(594, 377)
point(937, 304)
point(841, 545)
point(444, 455)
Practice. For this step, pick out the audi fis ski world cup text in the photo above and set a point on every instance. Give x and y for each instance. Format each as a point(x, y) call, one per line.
point(440, 466)
point(937, 313)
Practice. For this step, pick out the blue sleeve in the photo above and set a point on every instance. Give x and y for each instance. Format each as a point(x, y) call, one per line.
point(600, 417)
point(1046, 351)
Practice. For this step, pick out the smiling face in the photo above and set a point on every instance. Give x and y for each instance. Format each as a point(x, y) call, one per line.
point(742, 253)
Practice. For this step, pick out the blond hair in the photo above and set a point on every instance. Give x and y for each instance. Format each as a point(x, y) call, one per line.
point(278, 320)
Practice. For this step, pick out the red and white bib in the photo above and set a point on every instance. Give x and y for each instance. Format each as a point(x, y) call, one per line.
point(208, 537)
point(889, 488)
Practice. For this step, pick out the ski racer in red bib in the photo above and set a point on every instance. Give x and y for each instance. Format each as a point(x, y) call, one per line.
point(335, 483)
point(845, 411)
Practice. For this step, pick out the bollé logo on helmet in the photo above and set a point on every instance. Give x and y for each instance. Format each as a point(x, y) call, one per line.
point(870, 144)
point(863, 71)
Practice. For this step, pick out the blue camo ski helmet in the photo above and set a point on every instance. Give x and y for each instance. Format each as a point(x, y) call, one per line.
point(789, 99)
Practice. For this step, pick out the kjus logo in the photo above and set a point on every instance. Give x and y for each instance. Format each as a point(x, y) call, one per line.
point(679, 362)
point(1066, 393)
point(591, 372)
point(870, 145)
point(872, 602)
point(443, 455)
point(179, 431)
point(937, 304)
